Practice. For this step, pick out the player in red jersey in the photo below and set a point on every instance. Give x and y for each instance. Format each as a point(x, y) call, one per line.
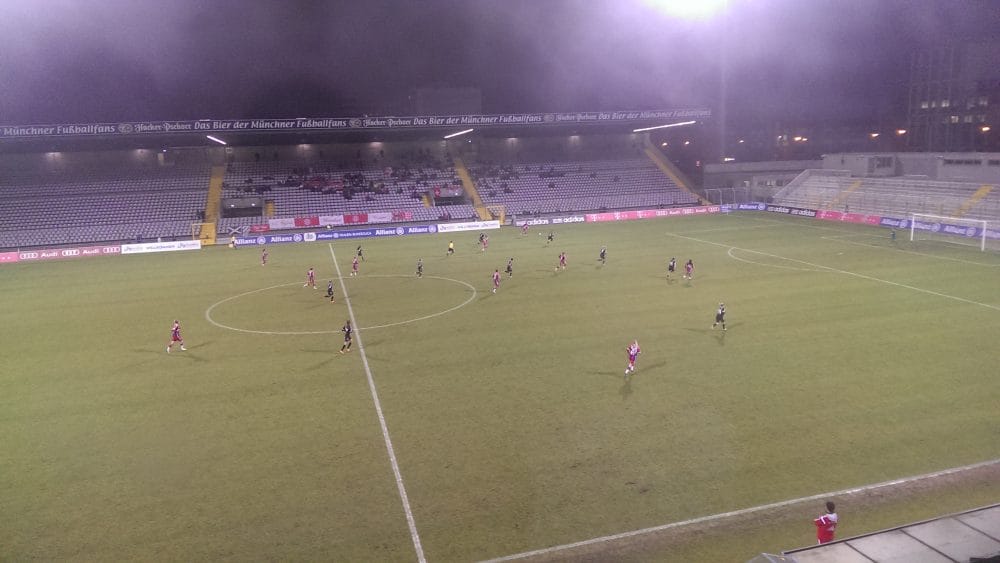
point(633, 352)
point(175, 336)
point(263, 257)
point(688, 269)
point(562, 261)
point(524, 228)
point(826, 525)
point(496, 280)
point(486, 242)
point(310, 279)
point(354, 266)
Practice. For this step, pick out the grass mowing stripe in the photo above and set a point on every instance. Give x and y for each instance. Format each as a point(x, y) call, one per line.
point(744, 511)
point(839, 271)
point(414, 535)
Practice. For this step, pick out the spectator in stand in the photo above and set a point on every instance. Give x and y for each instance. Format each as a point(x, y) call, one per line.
point(826, 524)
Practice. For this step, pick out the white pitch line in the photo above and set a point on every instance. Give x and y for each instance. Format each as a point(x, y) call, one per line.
point(845, 272)
point(743, 512)
point(734, 257)
point(841, 238)
point(414, 535)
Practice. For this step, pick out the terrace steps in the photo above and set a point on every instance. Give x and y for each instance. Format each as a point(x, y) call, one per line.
point(671, 171)
point(841, 197)
point(968, 204)
point(470, 189)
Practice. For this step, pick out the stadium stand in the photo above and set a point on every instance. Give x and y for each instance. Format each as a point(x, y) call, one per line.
point(47, 207)
point(838, 190)
point(553, 187)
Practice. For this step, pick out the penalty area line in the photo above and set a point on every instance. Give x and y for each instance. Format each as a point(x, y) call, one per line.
point(744, 511)
point(414, 535)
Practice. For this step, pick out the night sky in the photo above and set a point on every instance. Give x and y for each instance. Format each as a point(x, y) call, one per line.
point(64, 61)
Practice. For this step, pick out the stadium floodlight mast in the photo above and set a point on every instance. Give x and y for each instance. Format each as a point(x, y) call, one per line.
point(664, 126)
point(216, 139)
point(458, 133)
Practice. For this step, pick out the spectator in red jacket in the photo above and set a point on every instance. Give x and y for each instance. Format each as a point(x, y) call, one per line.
point(826, 525)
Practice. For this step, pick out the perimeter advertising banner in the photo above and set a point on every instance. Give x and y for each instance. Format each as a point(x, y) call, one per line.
point(849, 217)
point(64, 253)
point(171, 246)
point(649, 213)
point(468, 226)
point(209, 126)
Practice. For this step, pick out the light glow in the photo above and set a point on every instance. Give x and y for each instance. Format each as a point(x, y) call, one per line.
point(985, 128)
point(216, 139)
point(900, 131)
point(664, 126)
point(688, 9)
point(873, 135)
point(459, 133)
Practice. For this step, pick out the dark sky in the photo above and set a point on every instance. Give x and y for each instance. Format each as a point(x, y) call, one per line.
point(116, 60)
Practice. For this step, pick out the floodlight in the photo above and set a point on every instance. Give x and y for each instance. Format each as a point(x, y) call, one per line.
point(216, 139)
point(663, 126)
point(459, 133)
point(689, 9)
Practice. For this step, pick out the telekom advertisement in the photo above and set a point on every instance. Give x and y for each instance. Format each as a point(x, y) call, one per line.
point(849, 217)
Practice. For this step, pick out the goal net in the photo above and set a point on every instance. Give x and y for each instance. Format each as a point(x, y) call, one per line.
point(952, 230)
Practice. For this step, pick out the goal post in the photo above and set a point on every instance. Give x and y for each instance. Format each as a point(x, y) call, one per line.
point(950, 230)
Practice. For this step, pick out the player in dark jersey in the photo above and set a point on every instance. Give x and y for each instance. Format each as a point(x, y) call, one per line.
point(348, 332)
point(263, 257)
point(361, 253)
point(720, 316)
point(604, 255)
point(510, 267)
point(420, 267)
point(550, 238)
point(329, 290)
point(671, 266)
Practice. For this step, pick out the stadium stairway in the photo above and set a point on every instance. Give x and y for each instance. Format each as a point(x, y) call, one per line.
point(470, 190)
point(968, 204)
point(672, 172)
point(213, 202)
point(842, 196)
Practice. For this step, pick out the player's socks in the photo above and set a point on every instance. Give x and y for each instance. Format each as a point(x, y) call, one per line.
point(168, 349)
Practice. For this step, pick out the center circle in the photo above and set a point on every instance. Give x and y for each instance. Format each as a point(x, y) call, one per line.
point(359, 291)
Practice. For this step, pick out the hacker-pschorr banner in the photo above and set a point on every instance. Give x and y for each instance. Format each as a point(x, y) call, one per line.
point(343, 123)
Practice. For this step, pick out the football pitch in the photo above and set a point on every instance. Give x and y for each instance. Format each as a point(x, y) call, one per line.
point(849, 359)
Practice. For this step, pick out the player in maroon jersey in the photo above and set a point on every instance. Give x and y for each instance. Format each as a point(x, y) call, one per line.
point(263, 257)
point(354, 266)
point(496, 280)
point(175, 336)
point(524, 228)
point(633, 352)
point(688, 269)
point(562, 260)
point(486, 242)
point(826, 524)
point(310, 279)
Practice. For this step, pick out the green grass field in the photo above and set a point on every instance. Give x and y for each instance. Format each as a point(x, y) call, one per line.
point(848, 360)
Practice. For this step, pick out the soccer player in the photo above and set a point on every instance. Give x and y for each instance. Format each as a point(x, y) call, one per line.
point(496, 280)
point(486, 242)
point(550, 238)
point(451, 247)
point(671, 266)
point(420, 267)
point(604, 255)
point(263, 257)
point(633, 352)
point(361, 253)
point(826, 525)
point(893, 236)
point(524, 228)
point(688, 269)
point(562, 260)
point(720, 316)
point(329, 290)
point(510, 267)
point(348, 331)
point(310, 279)
point(175, 336)
point(354, 266)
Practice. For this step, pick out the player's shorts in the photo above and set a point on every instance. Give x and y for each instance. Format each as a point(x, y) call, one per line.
point(670, 269)
point(347, 338)
point(720, 318)
point(176, 338)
